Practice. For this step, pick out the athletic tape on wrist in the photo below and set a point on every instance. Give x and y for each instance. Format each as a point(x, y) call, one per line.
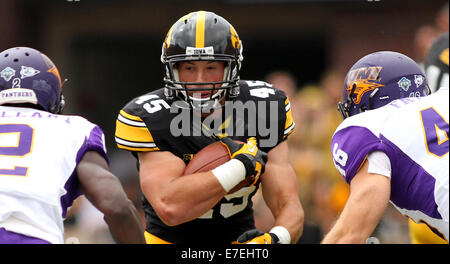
point(230, 173)
point(282, 233)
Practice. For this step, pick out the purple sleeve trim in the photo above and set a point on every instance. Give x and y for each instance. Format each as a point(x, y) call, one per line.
point(93, 143)
point(356, 142)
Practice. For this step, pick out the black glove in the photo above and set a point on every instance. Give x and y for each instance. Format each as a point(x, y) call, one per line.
point(255, 236)
point(249, 154)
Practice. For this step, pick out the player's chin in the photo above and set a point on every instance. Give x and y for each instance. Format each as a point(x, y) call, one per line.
point(200, 95)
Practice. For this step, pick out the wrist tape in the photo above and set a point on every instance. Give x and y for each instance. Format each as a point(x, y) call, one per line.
point(282, 233)
point(230, 173)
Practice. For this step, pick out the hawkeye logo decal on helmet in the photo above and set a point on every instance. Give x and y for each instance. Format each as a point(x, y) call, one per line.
point(7, 73)
point(28, 72)
point(235, 41)
point(364, 78)
point(200, 51)
point(404, 83)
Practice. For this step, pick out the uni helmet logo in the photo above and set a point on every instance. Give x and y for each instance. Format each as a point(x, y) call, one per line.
point(365, 80)
point(7, 73)
point(404, 83)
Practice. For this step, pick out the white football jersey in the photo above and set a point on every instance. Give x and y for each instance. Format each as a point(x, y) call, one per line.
point(39, 152)
point(414, 134)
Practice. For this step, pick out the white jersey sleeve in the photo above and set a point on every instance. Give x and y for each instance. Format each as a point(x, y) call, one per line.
point(39, 153)
point(379, 163)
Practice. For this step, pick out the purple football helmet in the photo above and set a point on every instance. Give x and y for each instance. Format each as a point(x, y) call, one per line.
point(28, 77)
point(379, 78)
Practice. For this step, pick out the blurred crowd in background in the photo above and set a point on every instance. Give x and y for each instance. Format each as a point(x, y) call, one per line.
point(323, 191)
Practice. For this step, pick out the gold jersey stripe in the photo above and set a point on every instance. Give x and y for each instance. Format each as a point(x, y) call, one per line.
point(200, 30)
point(131, 117)
point(289, 130)
point(136, 149)
point(289, 119)
point(152, 239)
point(135, 144)
point(133, 133)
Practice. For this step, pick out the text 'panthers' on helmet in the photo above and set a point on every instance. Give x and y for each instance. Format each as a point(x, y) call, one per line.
point(379, 78)
point(206, 36)
point(27, 76)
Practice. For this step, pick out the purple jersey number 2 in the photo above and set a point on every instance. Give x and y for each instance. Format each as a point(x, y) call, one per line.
point(19, 149)
point(436, 132)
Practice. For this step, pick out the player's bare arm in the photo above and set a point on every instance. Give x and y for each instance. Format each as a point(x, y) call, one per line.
point(279, 188)
point(167, 188)
point(369, 197)
point(105, 192)
point(176, 199)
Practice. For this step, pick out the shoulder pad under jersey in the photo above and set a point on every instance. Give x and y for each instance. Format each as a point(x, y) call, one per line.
point(140, 119)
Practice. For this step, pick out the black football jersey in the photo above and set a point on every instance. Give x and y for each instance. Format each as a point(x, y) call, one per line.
point(152, 122)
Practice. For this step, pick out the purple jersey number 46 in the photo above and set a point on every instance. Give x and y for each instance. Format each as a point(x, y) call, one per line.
point(436, 132)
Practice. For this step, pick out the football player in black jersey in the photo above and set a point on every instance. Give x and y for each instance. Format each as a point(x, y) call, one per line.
point(436, 63)
point(204, 100)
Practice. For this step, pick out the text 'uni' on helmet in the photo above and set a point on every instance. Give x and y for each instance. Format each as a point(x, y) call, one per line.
point(203, 36)
point(29, 77)
point(379, 78)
